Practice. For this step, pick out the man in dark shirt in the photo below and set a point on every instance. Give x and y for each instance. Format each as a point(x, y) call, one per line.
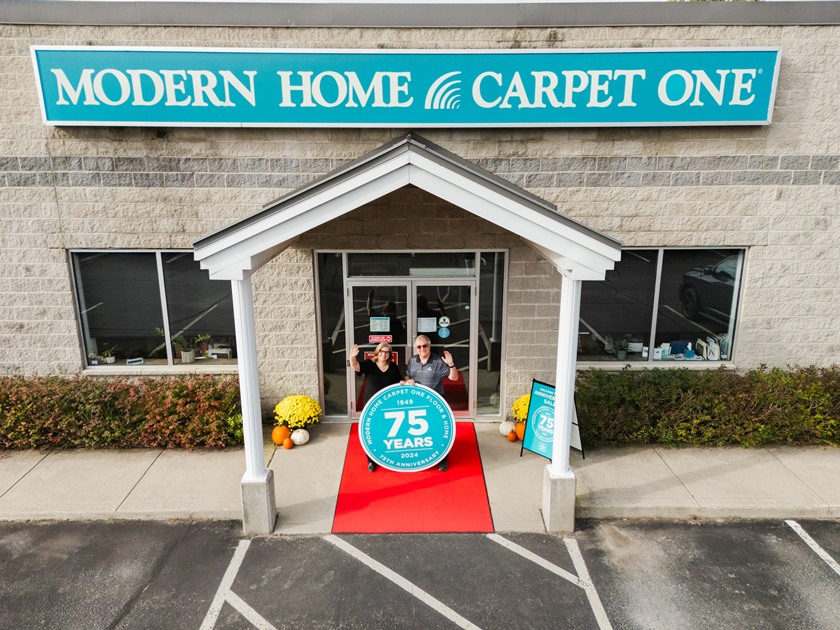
point(430, 369)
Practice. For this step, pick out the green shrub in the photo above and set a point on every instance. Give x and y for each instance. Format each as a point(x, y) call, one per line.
point(176, 412)
point(763, 406)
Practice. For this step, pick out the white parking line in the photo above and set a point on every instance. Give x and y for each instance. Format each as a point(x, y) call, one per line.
point(814, 546)
point(400, 581)
point(224, 594)
point(528, 555)
point(582, 579)
point(588, 586)
point(249, 613)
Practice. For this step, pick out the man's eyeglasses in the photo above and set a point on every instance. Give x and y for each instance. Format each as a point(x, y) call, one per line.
point(421, 346)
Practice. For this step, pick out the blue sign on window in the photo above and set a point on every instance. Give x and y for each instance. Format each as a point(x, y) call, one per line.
point(415, 88)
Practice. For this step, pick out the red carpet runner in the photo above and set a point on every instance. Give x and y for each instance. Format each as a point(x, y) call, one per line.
point(385, 502)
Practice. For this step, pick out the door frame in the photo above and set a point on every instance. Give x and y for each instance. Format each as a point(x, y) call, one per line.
point(411, 285)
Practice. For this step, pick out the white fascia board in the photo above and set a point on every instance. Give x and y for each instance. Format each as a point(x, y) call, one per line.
point(545, 222)
point(334, 208)
point(568, 268)
point(227, 268)
point(250, 254)
point(308, 204)
point(517, 221)
point(233, 272)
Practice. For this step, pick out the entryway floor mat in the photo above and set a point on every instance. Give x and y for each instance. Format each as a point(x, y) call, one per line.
point(387, 502)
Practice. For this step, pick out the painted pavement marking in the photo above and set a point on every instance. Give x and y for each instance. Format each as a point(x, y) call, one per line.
point(224, 594)
point(588, 586)
point(582, 579)
point(822, 553)
point(411, 589)
point(528, 555)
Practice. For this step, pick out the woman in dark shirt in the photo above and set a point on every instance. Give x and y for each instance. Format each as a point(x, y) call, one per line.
point(379, 374)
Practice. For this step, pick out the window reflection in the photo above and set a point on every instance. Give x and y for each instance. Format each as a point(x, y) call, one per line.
point(490, 316)
point(694, 316)
point(697, 304)
point(455, 264)
point(616, 314)
point(122, 314)
point(200, 310)
point(119, 305)
point(333, 344)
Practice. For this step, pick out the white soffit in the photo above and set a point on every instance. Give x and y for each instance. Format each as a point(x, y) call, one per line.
point(576, 250)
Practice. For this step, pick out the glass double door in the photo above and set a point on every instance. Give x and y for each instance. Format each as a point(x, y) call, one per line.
point(396, 311)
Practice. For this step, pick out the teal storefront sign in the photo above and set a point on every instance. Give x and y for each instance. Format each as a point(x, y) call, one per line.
point(407, 428)
point(414, 88)
point(539, 427)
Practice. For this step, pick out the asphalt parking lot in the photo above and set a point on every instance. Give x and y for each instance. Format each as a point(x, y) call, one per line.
point(609, 574)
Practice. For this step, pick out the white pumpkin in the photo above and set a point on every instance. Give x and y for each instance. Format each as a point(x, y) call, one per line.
point(300, 436)
point(506, 427)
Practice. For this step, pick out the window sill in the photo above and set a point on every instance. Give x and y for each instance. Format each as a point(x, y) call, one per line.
point(638, 366)
point(158, 370)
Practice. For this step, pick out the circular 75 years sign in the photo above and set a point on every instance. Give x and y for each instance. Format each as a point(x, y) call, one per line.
point(407, 428)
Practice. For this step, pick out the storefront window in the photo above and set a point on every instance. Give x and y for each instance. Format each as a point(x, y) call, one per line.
point(663, 305)
point(333, 345)
point(159, 308)
point(414, 264)
point(455, 298)
point(698, 304)
point(491, 291)
point(616, 314)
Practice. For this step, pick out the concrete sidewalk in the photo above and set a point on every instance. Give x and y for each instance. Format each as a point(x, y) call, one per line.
point(633, 482)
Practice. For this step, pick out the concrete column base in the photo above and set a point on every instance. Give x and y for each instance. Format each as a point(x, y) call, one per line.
point(259, 509)
point(558, 502)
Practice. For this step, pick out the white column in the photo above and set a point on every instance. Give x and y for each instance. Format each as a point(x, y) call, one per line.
point(558, 480)
point(564, 400)
point(258, 503)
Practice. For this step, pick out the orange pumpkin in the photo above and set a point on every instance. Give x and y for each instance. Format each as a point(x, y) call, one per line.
point(520, 430)
point(287, 443)
point(512, 436)
point(280, 433)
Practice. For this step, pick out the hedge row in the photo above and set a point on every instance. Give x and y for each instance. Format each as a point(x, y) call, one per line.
point(763, 406)
point(176, 412)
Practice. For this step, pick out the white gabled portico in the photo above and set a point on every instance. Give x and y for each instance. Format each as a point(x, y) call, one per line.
point(577, 252)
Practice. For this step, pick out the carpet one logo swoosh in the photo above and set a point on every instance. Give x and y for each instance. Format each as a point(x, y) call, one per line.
point(407, 428)
point(445, 92)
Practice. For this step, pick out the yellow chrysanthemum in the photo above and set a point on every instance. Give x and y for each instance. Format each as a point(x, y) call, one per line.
point(297, 412)
point(520, 408)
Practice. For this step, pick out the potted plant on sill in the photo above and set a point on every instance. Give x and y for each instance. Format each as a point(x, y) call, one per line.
point(621, 346)
point(107, 355)
point(187, 346)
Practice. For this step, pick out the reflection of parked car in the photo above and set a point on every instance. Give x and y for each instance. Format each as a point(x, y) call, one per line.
point(709, 290)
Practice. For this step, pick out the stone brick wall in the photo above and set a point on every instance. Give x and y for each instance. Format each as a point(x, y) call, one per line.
point(773, 189)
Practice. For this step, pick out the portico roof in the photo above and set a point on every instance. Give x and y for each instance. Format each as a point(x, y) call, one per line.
point(575, 249)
